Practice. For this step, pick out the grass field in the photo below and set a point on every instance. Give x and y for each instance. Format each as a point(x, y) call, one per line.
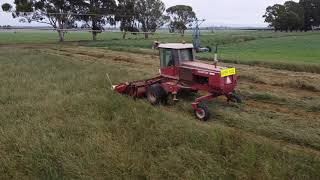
point(293, 49)
point(58, 120)
point(296, 51)
point(221, 37)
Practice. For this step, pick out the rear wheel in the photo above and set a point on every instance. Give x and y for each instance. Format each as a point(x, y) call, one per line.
point(202, 112)
point(156, 94)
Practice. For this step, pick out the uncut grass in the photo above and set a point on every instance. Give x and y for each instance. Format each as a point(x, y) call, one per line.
point(58, 121)
point(284, 49)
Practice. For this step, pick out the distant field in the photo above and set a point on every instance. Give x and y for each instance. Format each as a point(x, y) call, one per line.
point(59, 120)
point(295, 49)
point(298, 51)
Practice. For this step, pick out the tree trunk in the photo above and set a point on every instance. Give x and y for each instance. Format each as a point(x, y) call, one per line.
point(61, 35)
point(61, 30)
point(94, 36)
point(95, 29)
point(146, 35)
point(124, 35)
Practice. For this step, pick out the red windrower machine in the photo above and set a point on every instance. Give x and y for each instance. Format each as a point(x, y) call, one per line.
point(180, 72)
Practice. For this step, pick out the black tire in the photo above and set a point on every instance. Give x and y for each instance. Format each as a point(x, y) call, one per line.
point(234, 98)
point(202, 113)
point(209, 48)
point(156, 94)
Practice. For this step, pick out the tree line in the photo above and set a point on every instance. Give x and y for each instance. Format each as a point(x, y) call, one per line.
point(294, 16)
point(144, 16)
point(5, 27)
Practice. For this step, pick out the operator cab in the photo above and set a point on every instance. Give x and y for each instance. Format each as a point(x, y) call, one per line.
point(172, 55)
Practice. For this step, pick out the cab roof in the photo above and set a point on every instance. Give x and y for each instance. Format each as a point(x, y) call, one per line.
point(176, 46)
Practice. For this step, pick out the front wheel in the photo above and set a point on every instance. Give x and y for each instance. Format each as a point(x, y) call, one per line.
point(202, 112)
point(234, 98)
point(156, 94)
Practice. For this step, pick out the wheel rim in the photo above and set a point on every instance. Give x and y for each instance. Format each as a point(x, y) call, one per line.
point(200, 113)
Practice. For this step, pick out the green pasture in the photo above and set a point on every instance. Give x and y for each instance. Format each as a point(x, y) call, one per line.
point(58, 120)
point(298, 51)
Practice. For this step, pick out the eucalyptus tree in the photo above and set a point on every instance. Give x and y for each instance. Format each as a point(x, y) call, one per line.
point(294, 16)
point(6, 7)
point(285, 17)
point(126, 16)
point(150, 15)
point(95, 14)
point(311, 13)
point(180, 17)
point(56, 13)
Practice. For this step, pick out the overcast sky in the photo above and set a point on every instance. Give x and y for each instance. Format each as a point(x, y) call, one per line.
point(216, 12)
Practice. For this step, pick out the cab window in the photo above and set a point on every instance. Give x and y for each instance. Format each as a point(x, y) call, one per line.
point(186, 55)
point(166, 57)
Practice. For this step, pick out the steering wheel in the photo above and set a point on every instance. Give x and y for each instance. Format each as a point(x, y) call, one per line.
point(171, 63)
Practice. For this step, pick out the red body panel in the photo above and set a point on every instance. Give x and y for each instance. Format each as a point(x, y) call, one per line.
point(170, 72)
point(137, 88)
point(215, 85)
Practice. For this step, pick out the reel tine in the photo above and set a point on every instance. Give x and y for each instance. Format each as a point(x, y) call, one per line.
point(108, 78)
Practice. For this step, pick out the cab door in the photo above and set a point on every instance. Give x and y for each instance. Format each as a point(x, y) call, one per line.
point(167, 62)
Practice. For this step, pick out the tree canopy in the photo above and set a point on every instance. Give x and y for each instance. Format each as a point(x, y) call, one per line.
point(311, 13)
point(294, 16)
point(6, 7)
point(149, 14)
point(126, 14)
point(55, 13)
point(180, 17)
point(134, 15)
point(96, 14)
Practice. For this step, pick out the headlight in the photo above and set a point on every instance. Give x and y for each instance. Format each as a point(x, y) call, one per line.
point(228, 80)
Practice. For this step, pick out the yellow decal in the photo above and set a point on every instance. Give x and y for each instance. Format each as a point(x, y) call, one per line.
point(228, 72)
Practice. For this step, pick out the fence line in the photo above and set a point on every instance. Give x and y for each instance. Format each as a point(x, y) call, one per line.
point(83, 30)
point(73, 14)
